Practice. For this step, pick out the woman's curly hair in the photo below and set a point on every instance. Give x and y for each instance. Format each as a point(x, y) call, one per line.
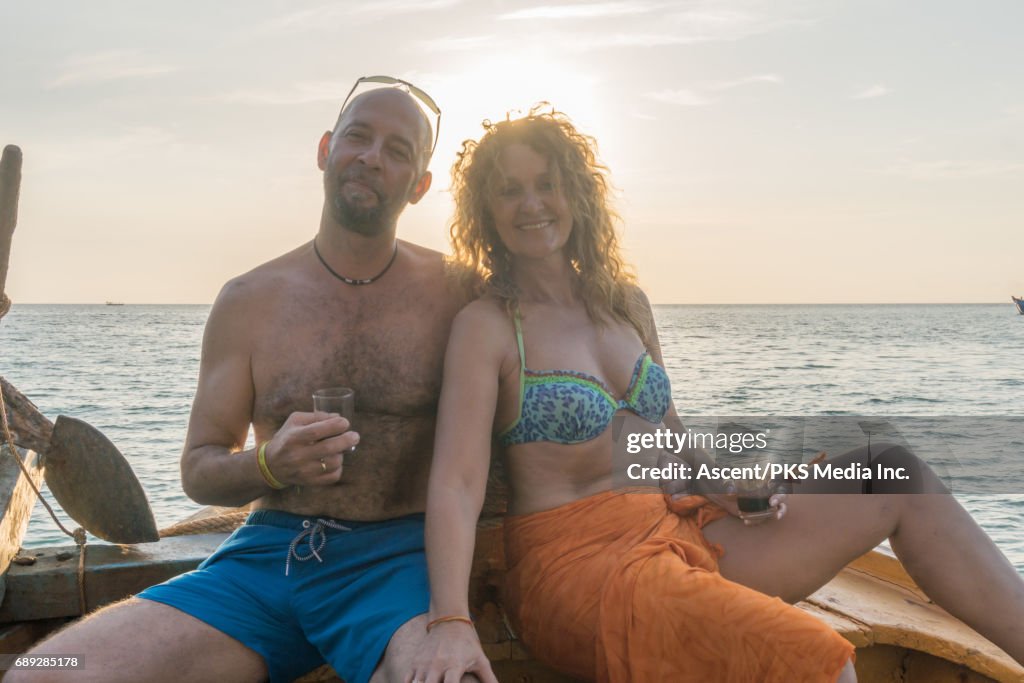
point(605, 283)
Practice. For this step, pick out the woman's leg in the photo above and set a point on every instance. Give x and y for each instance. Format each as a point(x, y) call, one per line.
point(938, 542)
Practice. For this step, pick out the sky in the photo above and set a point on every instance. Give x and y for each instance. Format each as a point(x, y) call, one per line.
point(762, 152)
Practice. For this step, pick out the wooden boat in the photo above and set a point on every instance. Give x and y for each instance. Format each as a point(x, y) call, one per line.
point(899, 634)
point(901, 637)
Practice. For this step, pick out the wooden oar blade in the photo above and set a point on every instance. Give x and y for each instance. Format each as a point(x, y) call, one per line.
point(95, 485)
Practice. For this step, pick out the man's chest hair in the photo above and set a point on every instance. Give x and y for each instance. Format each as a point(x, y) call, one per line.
point(393, 362)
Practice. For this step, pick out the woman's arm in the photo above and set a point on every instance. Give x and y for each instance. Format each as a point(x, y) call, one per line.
point(458, 480)
point(694, 457)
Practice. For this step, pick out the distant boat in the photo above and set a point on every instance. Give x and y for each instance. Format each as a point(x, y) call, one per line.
point(115, 303)
point(1019, 303)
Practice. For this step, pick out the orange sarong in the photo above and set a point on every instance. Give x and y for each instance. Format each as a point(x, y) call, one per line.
point(618, 588)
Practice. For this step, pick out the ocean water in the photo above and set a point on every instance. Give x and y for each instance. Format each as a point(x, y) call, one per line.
point(131, 372)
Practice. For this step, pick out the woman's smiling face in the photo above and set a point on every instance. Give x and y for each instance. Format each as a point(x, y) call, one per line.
point(527, 204)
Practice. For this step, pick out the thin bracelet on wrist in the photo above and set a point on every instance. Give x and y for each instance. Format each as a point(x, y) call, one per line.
point(443, 620)
point(268, 476)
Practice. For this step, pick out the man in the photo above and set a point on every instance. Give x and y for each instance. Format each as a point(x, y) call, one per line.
point(330, 565)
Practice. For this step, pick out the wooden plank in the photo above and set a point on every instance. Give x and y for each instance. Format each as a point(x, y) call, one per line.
point(855, 632)
point(17, 638)
point(29, 428)
point(48, 588)
point(324, 674)
point(527, 671)
point(10, 186)
point(898, 615)
point(922, 668)
point(16, 501)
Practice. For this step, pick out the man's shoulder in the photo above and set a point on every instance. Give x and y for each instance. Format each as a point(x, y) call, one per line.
point(419, 251)
point(441, 275)
point(263, 282)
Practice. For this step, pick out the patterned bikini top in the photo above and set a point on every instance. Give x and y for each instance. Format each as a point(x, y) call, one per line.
point(567, 407)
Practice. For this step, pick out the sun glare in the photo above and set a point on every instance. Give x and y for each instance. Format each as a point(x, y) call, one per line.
point(501, 86)
point(493, 88)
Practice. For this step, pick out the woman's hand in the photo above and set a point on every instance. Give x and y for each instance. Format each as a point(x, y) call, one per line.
point(728, 501)
point(723, 495)
point(449, 651)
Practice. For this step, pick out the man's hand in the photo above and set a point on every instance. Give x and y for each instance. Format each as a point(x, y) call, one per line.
point(450, 650)
point(310, 451)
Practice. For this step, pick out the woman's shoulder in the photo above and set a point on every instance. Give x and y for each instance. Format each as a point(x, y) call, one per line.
point(484, 320)
point(486, 309)
point(635, 294)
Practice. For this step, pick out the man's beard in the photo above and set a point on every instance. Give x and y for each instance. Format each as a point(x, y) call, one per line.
point(367, 221)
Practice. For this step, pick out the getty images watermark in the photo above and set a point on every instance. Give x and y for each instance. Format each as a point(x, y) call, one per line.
point(738, 442)
point(828, 454)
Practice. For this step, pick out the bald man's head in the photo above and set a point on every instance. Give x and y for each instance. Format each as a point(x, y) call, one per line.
point(404, 105)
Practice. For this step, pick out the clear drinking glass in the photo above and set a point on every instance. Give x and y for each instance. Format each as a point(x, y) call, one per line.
point(340, 400)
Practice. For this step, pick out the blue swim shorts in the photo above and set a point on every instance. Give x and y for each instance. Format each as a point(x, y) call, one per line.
point(302, 591)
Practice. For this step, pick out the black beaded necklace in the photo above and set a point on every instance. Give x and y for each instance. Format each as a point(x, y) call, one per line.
point(353, 281)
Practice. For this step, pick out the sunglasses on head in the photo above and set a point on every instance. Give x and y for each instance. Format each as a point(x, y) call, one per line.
point(419, 94)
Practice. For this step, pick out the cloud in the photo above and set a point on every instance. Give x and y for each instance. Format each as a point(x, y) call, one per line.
point(698, 97)
point(643, 116)
point(685, 28)
point(871, 92)
point(107, 66)
point(626, 24)
point(453, 44)
point(330, 16)
point(299, 93)
point(1014, 110)
point(946, 169)
point(585, 11)
point(683, 98)
point(121, 148)
point(729, 85)
point(389, 8)
point(307, 92)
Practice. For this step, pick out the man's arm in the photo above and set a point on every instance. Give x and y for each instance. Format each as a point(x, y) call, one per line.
point(214, 469)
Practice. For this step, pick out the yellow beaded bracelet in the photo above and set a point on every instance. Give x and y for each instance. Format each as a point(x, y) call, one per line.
point(442, 620)
point(261, 460)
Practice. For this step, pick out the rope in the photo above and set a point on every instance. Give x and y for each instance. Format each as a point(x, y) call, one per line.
point(78, 535)
point(228, 521)
point(14, 453)
point(83, 608)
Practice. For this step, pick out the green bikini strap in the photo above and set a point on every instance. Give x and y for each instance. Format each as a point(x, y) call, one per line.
point(522, 363)
point(519, 342)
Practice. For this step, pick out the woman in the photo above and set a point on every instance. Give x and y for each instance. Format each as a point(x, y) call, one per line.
point(622, 585)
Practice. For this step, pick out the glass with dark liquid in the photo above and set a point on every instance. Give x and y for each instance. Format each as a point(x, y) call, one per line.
point(753, 497)
point(753, 504)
